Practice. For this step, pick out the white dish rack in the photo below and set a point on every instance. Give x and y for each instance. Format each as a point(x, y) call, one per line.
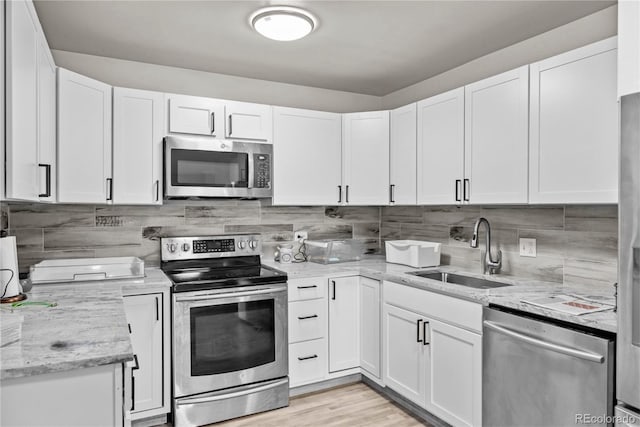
point(414, 253)
point(84, 269)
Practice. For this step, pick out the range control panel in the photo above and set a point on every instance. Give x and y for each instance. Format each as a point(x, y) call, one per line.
point(181, 248)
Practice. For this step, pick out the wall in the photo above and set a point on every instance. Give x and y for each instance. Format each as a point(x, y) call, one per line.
point(139, 75)
point(594, 27)
point(576, 245)
point(84, 231)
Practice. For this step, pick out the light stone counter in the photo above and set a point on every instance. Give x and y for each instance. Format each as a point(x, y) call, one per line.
point(509, 296)
point(87, 328)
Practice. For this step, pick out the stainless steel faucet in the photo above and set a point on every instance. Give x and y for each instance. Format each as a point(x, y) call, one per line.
point(489, 265)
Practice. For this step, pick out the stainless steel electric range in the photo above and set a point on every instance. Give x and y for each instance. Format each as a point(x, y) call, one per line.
point(229, 317)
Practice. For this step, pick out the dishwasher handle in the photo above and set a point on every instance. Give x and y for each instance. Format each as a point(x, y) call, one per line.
point(569, 351)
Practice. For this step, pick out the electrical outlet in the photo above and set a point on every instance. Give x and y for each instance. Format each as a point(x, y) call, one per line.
point(301, 235)
point(528, 247)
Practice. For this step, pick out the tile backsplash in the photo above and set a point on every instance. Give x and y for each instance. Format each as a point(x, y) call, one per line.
point(576, 245)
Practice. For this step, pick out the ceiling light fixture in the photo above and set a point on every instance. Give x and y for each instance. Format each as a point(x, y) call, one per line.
point(283, 23)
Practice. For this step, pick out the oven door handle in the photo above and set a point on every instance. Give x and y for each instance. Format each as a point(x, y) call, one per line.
point(225, 395)
point(229, 294)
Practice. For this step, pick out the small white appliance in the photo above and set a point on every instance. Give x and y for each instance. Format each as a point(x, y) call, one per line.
point(9, 280)
point(414, 253)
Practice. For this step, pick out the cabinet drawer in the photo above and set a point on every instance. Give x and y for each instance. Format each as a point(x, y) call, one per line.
point(306, 289)
point(451, 310)
point(308, 362)
point(307, 320)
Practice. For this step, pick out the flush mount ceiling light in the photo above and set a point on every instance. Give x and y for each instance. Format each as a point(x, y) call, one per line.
point(283, 23)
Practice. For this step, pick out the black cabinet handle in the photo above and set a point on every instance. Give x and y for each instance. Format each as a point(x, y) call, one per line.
point(307, 287)
point(315, 356)
point(458, 182)
point(424, 332)
point(213, 123)
point(157, 190)
point(135, 358)
point(157, 310)
point(418, 339)
point(333, 282)
point(347, 195)
point(339, 193)
point(313, 316)
point(133, 393)
point(230, 124)
point(47, 169)
point(392, 188)
point(466, 190)
point(129, 326)
point(109, 188)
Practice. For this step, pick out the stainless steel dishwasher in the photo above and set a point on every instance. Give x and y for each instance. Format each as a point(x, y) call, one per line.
point(537, 373)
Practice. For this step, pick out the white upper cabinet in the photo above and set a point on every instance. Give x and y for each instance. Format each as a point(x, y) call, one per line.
point(365, 158)
point(402, 156)
point(249, 121)
point(21, 86)
point(574, 127)
point(307, 157)
point(496, 138)
point(441, 148)
point(138, 125)
point(84, 139)
point(196, 115)
point(46, 124)
point(628, 47)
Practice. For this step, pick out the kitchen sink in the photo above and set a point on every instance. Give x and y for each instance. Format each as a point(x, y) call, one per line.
point(458, 279)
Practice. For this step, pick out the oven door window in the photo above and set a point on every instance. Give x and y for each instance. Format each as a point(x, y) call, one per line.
point(200, 168)
point(232, 337)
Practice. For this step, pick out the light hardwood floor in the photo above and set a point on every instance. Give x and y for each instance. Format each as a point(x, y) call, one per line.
point(350, 405)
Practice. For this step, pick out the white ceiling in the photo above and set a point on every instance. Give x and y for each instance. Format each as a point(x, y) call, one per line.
point(369, 47)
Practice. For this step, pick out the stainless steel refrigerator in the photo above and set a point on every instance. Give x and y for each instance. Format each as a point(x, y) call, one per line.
point(628, 340)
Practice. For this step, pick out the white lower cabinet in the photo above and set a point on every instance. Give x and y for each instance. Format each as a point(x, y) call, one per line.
point(344, 323)
point(433, 352)
point(307, 362)
point(147, 319)
point(370, 327)
point(307, 320)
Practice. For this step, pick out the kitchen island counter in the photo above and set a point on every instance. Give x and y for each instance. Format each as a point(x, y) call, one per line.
point(86, 328)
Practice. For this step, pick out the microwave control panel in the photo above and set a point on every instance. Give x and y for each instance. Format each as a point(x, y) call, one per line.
point(262, 171)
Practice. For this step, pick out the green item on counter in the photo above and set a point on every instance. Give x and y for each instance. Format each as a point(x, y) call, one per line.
point(24, 303)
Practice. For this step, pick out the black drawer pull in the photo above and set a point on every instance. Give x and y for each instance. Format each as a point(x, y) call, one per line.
point(313, 316)
point(315, 356)
point(307, 287)
point(418, 339)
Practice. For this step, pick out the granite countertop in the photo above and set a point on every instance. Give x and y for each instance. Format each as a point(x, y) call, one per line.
point(509, 296)
point(88, 327)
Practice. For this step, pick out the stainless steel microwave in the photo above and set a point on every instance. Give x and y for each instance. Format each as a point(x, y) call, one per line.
point(207, 167)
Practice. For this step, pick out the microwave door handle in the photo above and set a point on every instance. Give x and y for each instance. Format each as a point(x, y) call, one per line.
point(250, 171)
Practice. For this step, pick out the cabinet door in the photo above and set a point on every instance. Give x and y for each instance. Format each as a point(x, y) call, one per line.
point(196, 115)
point(84, 139)
point(344, 325)
point(307, 157)
point(496, 138)
point(402, 156)
point(22, 102)
point(404, 354)
point(574, 127)
point(144, 314)
point(441, 149)
point(365, 158)
point(249, 121)
point(46, 123)
point(138, 123)
point(370, 326)
point(455, 374)
point(628, 47)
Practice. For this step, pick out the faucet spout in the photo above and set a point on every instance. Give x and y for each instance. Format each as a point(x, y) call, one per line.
point(490, 265)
